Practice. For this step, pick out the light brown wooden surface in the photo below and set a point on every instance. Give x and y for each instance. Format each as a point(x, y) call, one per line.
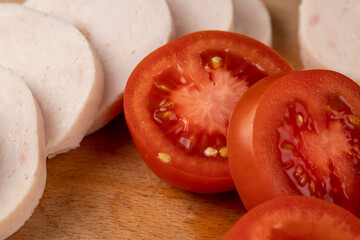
point(103, 190)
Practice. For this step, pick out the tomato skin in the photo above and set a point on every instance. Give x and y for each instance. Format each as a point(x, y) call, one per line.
point(254, 158)
point(296, 217)
point(189, 172)
point(181, 179)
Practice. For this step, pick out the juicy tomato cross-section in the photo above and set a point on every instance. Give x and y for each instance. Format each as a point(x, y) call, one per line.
point(296, 218)
point(298, 133)
point(179, 99)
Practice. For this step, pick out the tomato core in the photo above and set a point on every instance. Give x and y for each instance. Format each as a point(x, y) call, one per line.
point(317, 158)
point(194, 112)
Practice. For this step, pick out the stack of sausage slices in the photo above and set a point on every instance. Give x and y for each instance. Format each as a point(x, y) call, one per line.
point(64, 67)
point(214, 110)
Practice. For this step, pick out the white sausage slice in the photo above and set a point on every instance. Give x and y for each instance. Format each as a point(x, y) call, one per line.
point(22, 153)
point(248, 17)
point(195, 15)
point(57, 63)
point(252, 18)
point(329, 35)
point(121, 31)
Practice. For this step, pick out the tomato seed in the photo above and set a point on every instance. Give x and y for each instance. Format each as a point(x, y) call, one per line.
point(299, 120)
point(162, 87)
point(288, 164)
point(303, 179)
point(164, 157)
point(298, 171)
point(207, 69)
point(224, 152)
point(210, 152)
point(216, 62)
point(355, 120)
point(167, 104)
point(312, 186)
point(163, 115)
point(287, 146)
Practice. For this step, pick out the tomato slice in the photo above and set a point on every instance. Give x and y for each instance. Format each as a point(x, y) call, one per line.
point(298, 133)
point(179, 99)
point(296, 218)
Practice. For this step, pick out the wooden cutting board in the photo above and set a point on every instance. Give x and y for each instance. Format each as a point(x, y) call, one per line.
point(103, 190)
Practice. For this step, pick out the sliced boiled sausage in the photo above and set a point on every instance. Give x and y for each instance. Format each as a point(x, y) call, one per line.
point(121, 31)
point(248, 17)
point(195, 15)
point(252, 18)
point(58, 65)
point(329, 35)
point(22, 153)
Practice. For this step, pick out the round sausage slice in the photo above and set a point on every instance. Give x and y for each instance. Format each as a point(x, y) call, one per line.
point(196, 15)
point(58, 65)
point(329, 35)
point(22, 153)
point(252, 18)
point(248, 17)
point(121, 31)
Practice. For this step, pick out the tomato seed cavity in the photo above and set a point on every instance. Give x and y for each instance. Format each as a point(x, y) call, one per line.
point(194, 113)
point(311, 163)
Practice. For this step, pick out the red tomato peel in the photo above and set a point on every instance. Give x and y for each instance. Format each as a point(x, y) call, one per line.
point(298, 133)
point(296, 218)
point(179, 99)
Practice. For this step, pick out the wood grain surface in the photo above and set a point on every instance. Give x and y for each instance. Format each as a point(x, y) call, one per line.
point(103, 190)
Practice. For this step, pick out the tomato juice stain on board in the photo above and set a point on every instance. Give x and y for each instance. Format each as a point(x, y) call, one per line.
point(298, 133)
point(179, 99)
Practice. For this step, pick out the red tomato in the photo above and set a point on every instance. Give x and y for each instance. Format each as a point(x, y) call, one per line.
point(179, 99)
point(298, 133)
point(296, 218)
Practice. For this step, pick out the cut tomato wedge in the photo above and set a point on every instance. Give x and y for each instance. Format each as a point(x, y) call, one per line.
point(296, 218)
point(298, 133)
point(179, 99)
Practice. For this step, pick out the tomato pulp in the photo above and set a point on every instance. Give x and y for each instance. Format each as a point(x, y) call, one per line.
point(296, 217)
point(179, 99)
point(298, 133)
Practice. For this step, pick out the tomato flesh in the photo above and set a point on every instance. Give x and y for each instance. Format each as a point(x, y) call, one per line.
point(179, 99)
point(309, 157)
point(298, 133)
point(304, 231)
point(296, 218)
point(180, 105)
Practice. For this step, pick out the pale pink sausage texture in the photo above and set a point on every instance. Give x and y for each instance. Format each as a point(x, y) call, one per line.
point(58, 64)
point(329, 35)
point(248, 17)
point(196, 15)
point(22, 153)
point(252, 18)
point(121, 31)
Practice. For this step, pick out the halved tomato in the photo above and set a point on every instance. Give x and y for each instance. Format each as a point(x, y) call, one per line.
point(296, 218)
point(298, 133)
point(179, 99)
